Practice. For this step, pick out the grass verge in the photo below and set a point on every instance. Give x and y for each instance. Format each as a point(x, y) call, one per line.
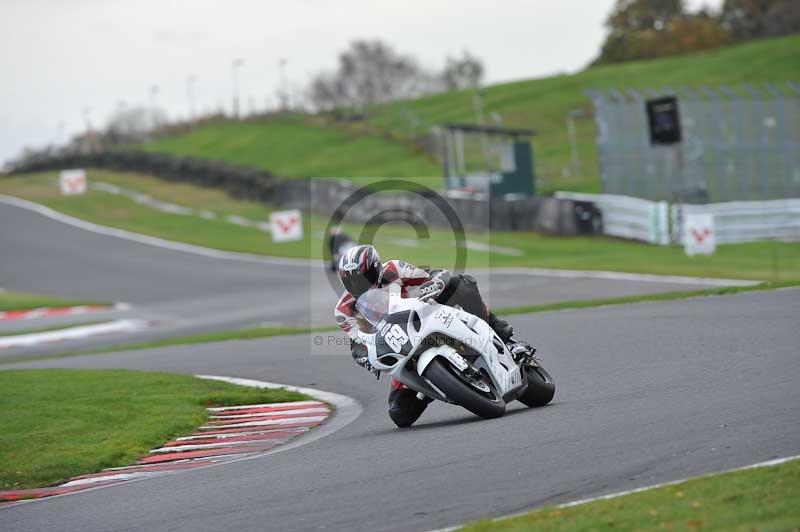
point(61, 423)
point(666, 296)
point(20, 301)
point(763, 498)
point(766, 261)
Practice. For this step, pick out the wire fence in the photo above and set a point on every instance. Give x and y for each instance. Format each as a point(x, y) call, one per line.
point(738, 144)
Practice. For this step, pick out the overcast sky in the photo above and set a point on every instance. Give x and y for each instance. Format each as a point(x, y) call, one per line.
point(59, 58)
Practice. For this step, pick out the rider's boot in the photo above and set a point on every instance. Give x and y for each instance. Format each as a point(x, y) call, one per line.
point(519, 348)
point(404, 407)
point(501, 327)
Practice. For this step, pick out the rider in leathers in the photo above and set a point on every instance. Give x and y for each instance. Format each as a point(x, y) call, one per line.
point(360, 269)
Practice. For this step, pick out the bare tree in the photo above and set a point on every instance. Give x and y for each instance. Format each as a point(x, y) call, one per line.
point(132, 124)
point(370, 72)
point(465, 72)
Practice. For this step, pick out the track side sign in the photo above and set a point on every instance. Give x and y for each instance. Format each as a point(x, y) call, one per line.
point(286, 226)
point(72, 182)
point(698, 234)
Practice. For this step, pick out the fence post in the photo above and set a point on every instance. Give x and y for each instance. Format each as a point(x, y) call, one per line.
point(717, 122)
point(781, 118)
point(757, 99)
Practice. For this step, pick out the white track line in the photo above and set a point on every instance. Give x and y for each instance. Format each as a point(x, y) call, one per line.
point(201, 446)
point(248, 257)
point(71, 333)
point(243, 433)
point(60, 312)
point(111, 476)
point(337, 400)
point(488, 248)
point(768, 463)
point(273, 414)
point(151, 240)
point(620, 276)
point(265, 423)
point(265, 405)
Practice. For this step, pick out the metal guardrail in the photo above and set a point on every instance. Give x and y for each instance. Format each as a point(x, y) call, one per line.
point(658, 222)
point(628, 217)
point(747, 221)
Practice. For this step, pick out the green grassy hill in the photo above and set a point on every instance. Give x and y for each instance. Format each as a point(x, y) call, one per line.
point(382, 144)
point(301, 146)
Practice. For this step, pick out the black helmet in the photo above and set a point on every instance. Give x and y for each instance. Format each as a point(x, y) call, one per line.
point(359, 268)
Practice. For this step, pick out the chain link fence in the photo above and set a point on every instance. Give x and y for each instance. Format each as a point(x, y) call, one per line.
point(739, 144)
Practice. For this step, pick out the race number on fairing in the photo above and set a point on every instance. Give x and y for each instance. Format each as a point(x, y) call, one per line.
point(394, 335)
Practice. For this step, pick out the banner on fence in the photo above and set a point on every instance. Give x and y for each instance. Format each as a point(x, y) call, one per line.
point(699, 237)
point(286, 226)
point(660, 223)
point(72, 182)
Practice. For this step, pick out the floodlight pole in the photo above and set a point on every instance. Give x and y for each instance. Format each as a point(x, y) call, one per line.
point(284, 84)
point(235, 66)
point(59, 132)
point(190, 81)
point(573, 142)
point(477, 102)
point(87, 111)
point(153, 95)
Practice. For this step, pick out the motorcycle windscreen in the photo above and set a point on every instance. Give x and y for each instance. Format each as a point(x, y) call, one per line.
point(373, 304)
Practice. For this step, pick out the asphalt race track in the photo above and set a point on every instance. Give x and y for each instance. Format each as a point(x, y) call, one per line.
point(647, 393)
point(185, 293)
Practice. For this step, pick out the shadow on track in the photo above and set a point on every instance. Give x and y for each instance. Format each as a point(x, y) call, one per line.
point(465, 420)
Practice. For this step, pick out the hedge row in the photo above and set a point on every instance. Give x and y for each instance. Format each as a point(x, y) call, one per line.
point(238, 181)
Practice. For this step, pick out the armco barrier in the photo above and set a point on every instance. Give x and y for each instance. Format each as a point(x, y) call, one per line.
point(324, 196)
point(746, 221)
point(660, 223)
point(627, 217)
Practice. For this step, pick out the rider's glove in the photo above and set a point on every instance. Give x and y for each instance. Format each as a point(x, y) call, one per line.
point(359, 352)
point(433, 287)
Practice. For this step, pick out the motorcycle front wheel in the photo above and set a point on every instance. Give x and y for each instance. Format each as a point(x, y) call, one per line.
point(458, 388)
point(541, 387)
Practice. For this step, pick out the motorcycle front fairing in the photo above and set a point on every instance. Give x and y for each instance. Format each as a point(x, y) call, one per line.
point(476, 342)
point(390, 344)
point(407, 334)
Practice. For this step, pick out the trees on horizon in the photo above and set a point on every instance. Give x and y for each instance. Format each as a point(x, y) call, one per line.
point(647, 29)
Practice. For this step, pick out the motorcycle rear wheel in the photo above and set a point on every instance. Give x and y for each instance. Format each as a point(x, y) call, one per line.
point(456, 388)
point(541, 387)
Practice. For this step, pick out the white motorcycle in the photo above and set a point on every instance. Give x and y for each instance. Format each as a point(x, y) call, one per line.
point(444, 353)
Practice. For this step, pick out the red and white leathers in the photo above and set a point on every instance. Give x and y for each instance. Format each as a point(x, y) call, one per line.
point(393, 271)
point(405, 407)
